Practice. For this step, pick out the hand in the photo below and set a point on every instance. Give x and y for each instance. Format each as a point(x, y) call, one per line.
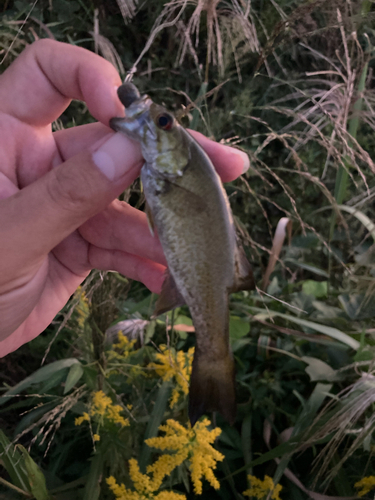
point(59, 217)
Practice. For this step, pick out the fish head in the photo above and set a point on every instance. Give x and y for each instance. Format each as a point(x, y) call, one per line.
point(164, 145)
point(169, 151)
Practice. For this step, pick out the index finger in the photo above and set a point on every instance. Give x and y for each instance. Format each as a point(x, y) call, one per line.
point(41, 82)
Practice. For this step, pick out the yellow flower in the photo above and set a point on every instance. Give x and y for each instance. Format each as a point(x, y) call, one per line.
point(119, 490)
point(171, 365)
point(113, 414)
point(367, 484)
point(142, 482)
point(102, 406)
point(96, 437)
point(123, 348)
point(144, 488)
point(100, 403)
point(261, 489)
point(163, 467)
point(169, 495)
point(79, 420)
point(193, 444)
point(187, 444)
point(82, 308)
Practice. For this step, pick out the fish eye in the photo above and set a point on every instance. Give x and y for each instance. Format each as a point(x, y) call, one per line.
point(164, 121)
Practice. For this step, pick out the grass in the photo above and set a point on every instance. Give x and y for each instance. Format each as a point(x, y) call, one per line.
point(292, 86)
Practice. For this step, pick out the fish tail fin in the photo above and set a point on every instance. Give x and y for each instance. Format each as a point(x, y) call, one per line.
point(212, 387)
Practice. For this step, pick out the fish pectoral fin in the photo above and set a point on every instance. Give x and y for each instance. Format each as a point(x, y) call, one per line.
point(212, 387)
point(115, 123)
point(150, 219)
point(169, 298)
point(243, 274)
point(195, 202)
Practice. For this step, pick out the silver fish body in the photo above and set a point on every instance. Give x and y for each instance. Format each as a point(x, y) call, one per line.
point(191, 213)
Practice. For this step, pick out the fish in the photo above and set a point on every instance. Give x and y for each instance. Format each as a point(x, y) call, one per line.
point(189, 208)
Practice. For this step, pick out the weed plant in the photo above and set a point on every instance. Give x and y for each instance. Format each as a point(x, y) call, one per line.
point(96, 407)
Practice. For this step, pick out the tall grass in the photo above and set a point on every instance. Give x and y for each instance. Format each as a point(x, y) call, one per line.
point(293, 87)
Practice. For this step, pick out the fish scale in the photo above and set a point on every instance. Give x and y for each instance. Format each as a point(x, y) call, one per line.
point(191, 212)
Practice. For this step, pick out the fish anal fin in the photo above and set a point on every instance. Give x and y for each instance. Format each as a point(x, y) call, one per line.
point(212, 388)
point(243, 274)
point(169, 298)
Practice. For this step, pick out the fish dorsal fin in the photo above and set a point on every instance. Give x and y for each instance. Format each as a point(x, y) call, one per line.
point(243, 274)
point(169, 298)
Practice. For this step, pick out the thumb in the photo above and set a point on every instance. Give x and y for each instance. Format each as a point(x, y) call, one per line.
point(35, 219)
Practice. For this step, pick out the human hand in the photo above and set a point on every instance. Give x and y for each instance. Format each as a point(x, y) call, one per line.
point(59, 216)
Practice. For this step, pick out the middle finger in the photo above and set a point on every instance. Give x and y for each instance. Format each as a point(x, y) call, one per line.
point(122, 227)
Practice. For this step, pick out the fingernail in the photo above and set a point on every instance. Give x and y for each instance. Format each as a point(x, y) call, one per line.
point(117, 156)
point(245, 159)
point(242, 156)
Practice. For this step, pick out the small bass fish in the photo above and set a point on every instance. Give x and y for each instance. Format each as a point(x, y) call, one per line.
point(191, 212)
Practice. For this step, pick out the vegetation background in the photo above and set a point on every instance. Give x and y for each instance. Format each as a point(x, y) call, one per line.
point(291, 83)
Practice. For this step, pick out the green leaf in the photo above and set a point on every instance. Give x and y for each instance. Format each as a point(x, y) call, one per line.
point(246, 439)
point(276, 452)
point(319, 370)
point(305, 419)
point(367, 353)
point(94, 478)
point(369, 225)
point(343, 172)
point(36, 478)
point(238, 327)
point(308, 267)
point(358, 306)
point(326, 330)
point(31, 416)
point(75, 373)
point(318, 289)
point(44, 373)
point(156, 418)
point(11, 459)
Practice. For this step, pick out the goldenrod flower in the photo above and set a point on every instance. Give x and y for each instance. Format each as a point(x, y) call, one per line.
point(102, 406)
point(100, 403)
point(171, 365)
point(261, 489)
point(123, 348)
point(163, 467)
point(79, 420)
point(188, 444)
point(193, 444)
point(367, 484)
point(119, 490)
point(96, 437)
point(144, 487)
point(82, 308)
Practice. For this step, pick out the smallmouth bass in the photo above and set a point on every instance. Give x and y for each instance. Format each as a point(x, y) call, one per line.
point(188, 206)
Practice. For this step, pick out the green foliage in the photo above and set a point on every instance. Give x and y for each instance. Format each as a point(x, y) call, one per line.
point(291, 84)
